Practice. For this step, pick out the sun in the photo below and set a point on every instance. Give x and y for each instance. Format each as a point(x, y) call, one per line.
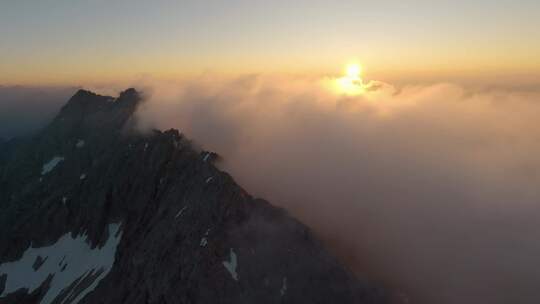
point(354, 70)
point(351, 83)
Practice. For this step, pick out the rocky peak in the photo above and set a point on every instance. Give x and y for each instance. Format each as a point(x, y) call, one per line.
point(84, 103)
point(130, 93)
point(90, 113)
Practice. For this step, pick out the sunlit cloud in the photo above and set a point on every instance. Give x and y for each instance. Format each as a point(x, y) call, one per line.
point(393, 178)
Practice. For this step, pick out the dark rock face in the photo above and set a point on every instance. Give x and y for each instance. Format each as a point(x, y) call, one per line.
point(188, 232)
point(38, 262)
point(3, 279)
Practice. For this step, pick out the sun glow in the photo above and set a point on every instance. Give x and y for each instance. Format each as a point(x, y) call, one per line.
point(353, 71)
point(351, 83)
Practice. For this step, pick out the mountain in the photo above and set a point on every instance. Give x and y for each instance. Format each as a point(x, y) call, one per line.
point(93, 211)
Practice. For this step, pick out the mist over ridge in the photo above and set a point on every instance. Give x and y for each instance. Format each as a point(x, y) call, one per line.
point(428, 188)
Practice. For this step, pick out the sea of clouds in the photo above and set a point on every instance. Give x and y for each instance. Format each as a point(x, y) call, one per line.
point(431, 189)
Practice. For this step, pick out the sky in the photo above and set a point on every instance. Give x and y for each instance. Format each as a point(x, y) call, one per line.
point(82, 42)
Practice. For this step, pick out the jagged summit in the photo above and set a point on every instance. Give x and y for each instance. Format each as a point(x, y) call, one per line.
point(83, 92)
point(87, 113)
point(129, 92)
point(126, 93)
point(84, 102)
point(153, 220)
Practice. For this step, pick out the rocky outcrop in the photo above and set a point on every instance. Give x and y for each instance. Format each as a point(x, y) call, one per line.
point(187, 232)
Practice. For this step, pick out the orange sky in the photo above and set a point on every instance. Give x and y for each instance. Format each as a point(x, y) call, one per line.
point(52, 42)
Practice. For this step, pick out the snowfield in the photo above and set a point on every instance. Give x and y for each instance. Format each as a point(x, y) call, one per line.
point(49, 166)
point(70, 260)
point(231, 265)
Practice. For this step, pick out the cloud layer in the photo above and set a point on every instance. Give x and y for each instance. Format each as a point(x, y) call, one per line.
point(431, 189)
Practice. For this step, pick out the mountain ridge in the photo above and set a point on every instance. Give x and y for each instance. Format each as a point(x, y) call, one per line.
point(189, 233)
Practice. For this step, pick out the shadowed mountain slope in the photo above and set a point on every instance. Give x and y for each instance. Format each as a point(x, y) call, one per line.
point(92, 211)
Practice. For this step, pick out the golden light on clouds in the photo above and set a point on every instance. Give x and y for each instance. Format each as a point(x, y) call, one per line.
point(351, 83)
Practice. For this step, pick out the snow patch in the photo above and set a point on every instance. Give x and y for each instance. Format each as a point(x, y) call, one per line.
point(69, 259)
point(283, 286)
point(232, 264)
point(177, 144)
point(204, 240)
point(180, 212)
point(49, 166)
point(64, 200)
point(206, 157)
point(80, 143)
point(83, 176)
